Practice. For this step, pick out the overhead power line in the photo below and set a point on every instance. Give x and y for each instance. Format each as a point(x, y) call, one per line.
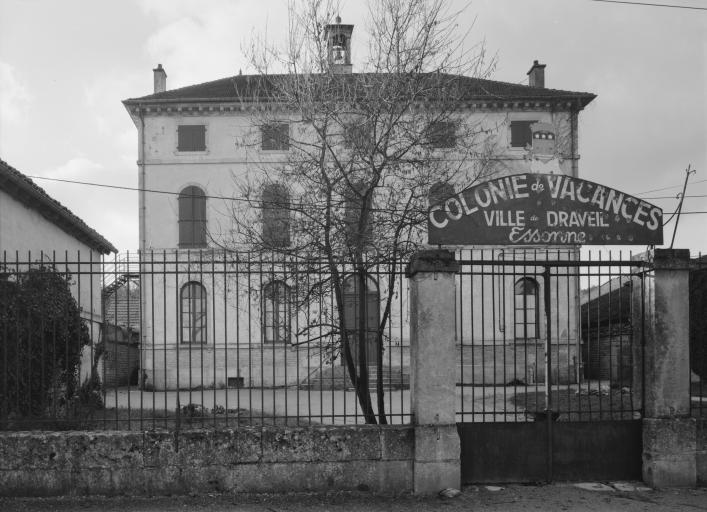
point(230, 198)
point(674, 197)
point(668, 188)
point(650, 4)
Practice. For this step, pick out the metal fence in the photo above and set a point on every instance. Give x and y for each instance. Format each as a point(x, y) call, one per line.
point(549, 333)
point(181, 339)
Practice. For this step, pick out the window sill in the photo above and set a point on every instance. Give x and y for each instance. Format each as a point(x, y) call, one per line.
point(187, 153)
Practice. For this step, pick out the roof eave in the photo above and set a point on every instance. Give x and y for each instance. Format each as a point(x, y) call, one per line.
point(57, 215)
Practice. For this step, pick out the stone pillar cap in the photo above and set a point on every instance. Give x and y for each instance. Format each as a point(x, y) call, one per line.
point(433, 260)
point(667, 259)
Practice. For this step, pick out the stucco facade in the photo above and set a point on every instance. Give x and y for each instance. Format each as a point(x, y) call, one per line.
point(230, 152)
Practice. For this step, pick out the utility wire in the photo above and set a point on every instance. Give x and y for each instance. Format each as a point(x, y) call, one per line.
point(650, 4)
point(241, 199)
point(674, 197)
point(668, 188)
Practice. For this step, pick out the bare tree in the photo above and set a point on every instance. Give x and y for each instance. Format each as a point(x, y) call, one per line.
point(366, 152)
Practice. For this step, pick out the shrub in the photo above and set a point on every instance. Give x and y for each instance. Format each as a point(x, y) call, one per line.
point(41, 338)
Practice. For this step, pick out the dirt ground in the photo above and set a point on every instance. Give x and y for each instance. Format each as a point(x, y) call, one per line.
point(555, 497)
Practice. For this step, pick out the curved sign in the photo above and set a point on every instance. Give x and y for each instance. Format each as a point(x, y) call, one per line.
point(543, 209)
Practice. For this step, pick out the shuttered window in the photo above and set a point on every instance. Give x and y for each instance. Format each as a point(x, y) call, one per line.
point(440, 192)
point(354, 210)
point(276, 216)
point(442, 134)
point(521, 136)
point(275, 137)
point(191, 137)
point(192, 218)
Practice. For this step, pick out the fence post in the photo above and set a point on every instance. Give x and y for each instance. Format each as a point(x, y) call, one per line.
point(669, 434)
point(433, 371)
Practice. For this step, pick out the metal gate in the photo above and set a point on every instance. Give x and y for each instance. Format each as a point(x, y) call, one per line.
point(549, 381)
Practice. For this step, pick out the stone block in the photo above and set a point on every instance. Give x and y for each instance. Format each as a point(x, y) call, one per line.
point(394, 477)
point(162, 480)
point(669, 471)
point(192, 448)
point(211, 479)
point(437, 443)
point(669, 436)
point(90, 450)
point(36, 482)
point(242, 445)
point(25, 450)
point(432, 477)
point(158, 449)
point(287, 444)
point(397, 443)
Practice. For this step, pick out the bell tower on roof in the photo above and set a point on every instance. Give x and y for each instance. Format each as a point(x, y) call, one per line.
point(338, 39)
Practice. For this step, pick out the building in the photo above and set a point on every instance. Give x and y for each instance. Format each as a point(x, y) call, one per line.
point(35, 228)
point(198, 142)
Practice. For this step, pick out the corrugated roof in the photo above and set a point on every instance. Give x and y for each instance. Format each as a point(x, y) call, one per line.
point(26, 191)
point(248, 87)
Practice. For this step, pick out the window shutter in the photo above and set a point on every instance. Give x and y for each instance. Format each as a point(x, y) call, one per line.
point(192, 217)
point(276, 216)
point(191, 137)
point(275, 136)
point(521, 135)
point(442, 134)
point(440, 192)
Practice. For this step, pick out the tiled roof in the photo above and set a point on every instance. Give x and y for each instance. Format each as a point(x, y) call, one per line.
point(26, 191)
point(248, 87)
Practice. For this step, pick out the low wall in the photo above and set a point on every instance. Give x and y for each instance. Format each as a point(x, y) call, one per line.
point(250, 459)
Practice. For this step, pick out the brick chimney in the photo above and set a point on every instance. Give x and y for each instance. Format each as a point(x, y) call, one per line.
point(536, 75)
point(161, 79)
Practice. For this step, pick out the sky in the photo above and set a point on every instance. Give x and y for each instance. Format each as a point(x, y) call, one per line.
point(65, 67)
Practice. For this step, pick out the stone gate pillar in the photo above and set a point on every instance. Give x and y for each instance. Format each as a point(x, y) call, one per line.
point(669, 434)
point(433, 371)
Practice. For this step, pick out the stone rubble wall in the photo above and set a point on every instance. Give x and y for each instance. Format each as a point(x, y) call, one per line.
point(249, 459)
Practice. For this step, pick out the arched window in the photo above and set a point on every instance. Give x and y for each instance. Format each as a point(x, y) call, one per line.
point(276, 314)
point(192, 300)
point(276, 216)
point(192, 217)
point(352, 315)
point(526, 308)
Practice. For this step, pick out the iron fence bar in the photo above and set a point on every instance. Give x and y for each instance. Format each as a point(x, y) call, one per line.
point(548, 369)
